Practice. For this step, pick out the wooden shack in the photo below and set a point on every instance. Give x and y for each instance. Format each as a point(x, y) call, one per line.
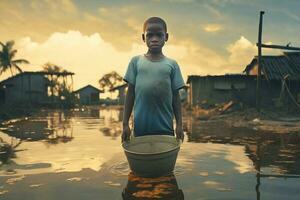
point(26, 87)
point(221, 88)
point(88, 95)
point(281, 78)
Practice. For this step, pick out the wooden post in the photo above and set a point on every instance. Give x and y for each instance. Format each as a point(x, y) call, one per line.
point(258, 85)
point(52, 90)
point(29, 88)
point(279, 47)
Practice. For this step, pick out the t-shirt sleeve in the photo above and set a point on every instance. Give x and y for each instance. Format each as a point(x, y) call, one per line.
point(177, 81)
point(130, 74)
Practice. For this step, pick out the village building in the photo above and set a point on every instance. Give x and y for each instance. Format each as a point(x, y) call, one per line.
point(26, 87)
point(220, 88)
point(280, 79)
point(88, 95)
point(31, 87)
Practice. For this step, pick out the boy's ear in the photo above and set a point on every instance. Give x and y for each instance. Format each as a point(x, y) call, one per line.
point(143, 37)
point(167, 37)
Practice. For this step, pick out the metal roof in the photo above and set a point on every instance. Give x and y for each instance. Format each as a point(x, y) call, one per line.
point(229, 76)
point(277, 67)
point(37, 73)
point(88, 86)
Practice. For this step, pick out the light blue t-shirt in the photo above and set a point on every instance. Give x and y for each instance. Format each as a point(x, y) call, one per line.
point(154, 83)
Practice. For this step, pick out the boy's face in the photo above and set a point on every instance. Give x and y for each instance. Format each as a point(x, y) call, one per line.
point(155, 36)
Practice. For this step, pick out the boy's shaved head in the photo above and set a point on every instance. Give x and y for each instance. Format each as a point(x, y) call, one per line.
point(154, 20)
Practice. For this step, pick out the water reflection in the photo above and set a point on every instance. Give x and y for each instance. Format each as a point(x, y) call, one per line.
point(216, 161)
point(61, 127)
point(271, 152)
point(54, 128)
point(8, 151)
point(274, 155)
point(62, 140)
point(112, 124)
point(164, 187)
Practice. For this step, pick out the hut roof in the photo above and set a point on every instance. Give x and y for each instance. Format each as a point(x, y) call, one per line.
point(277, 67)
point(88, 86)
point(232, 76)
point(37, 73)
point(31, 73)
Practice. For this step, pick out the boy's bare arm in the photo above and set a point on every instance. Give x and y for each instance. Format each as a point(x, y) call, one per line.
point(177, 112)
point(129, 102)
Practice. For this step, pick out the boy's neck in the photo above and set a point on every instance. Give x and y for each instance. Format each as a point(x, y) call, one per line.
point(157, 55)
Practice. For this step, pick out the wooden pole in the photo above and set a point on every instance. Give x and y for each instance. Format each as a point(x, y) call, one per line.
point(52, 90)
point(29, 88)
point(258, 85)
point(278, 47)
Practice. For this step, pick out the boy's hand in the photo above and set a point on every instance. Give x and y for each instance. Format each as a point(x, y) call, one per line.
point(179, 133)
point(126, 133)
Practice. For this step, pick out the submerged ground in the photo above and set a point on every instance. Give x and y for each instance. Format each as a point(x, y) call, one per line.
point(77, 155)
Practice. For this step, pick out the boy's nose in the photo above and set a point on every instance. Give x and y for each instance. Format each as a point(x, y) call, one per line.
point(154, 40)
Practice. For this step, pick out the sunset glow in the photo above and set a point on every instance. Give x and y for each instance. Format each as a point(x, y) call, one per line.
point(91, 38)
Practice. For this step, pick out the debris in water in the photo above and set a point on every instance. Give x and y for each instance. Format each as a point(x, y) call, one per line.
point(75, 179)
point(3, 192)
point(112, 183)
point(256, 120)
point(211, 183)
point(35, 185)
point(224, 189)
point(14, 180)
point(219, 173)
point(203, 173)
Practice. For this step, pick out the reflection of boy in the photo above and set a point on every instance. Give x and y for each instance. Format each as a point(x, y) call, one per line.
point(164, 187)
point(153, 83)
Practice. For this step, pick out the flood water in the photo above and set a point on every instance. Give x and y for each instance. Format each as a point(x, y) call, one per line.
point(77, 155)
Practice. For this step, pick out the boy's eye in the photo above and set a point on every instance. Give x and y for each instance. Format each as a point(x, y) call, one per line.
point(149, 35)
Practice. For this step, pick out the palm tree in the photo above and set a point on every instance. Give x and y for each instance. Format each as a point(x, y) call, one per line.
point(7, 55)
point(58, 82)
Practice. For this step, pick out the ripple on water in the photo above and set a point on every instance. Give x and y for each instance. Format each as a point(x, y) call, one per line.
point(179, 170)
point(120, 168)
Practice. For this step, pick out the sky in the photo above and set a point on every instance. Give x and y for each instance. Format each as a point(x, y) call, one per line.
point(94, 37)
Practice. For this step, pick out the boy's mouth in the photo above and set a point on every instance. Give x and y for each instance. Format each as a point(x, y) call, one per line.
point(154, 46)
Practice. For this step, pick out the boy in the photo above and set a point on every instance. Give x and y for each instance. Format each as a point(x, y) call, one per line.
point(153, 83)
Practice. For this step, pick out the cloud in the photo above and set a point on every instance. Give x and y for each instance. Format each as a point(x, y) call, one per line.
point(39, 19)
point(241, 51)
point(91, 55)
point(88, 56)
point(105, 41)
point(54, 6)
point(212, 27)
point(199, 59)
